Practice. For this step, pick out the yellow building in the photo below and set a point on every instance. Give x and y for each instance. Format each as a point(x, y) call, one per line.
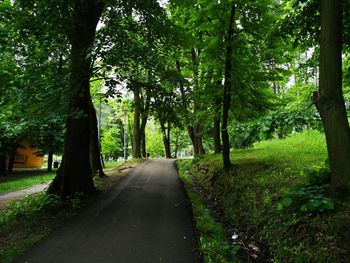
point(26, 157)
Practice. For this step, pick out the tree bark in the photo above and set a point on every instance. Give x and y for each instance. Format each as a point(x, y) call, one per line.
point(176, 146)
point(136, 130)
point(49, 160)
point(11, 162)
point(199, 139)
point(227, 92)
point(94, 147)
point(144, 118)
point(190, 129)
point(329, 100)
point(2, 165)
point(143, 145)
point(166, 139)
point(216, 135)
point(75, 175)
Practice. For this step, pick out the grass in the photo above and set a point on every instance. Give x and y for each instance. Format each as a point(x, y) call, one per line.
point(24, 182)
point(213, 245)
point(33, 178)
point(250, 193)
point(112, 164)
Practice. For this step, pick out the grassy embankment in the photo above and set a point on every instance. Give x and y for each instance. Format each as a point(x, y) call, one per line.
point(243, 215)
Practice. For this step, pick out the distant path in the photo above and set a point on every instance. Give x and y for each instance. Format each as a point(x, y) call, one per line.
point(145, 218)
point(11, 195)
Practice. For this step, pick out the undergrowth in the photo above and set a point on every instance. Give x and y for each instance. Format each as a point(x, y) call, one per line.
point(277, 196)
point(213, 245)
point(24, 222)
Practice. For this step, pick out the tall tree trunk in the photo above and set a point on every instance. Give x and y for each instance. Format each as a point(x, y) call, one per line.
point(216, 135)
point(199, 139)
point(166, 139)
point(75, 175)
point(176, 146)
point(189, 127)
point(94, 147)
point(329, 100)
point(197, 127)
point(11, 162)
point(227, 91)
point(144, 118)
point(2, 165)
point(49, 159)
point(136, 130)
point(130, 136)
point(143, 145)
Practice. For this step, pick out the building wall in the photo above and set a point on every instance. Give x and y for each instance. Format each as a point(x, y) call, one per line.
point(26, 157)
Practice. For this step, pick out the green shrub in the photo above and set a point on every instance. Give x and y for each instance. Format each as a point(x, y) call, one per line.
point(279, 123)
point(312, 196)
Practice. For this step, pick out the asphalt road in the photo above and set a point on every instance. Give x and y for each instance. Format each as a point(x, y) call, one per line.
point(146, 217)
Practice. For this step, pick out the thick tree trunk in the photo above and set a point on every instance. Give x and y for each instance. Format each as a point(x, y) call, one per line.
point(199, 139)
point(49, 160)
point(329, 100)
point(94, 147)
point(197, 128)
point(216, 135)
point(143, 144)
point(75, 175)
point(11, 163)
point(227, 92)
point(191, 135)
point(131, 136)
point(166, 139)
point(136, 130)
point(2, 165)
point(144, 118)
point(176, 146)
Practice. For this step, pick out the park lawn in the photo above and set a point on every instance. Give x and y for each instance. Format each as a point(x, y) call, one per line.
point(246, 201)
point(112, 164)
point(24, 182)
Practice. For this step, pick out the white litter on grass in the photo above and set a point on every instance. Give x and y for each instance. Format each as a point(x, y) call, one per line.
point(234, 236)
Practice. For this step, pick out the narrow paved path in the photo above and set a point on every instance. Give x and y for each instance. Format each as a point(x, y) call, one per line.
point(23, 192)
point(144, 218)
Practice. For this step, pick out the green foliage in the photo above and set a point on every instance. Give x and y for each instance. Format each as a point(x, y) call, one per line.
point(40, 203)
point(279, 123)
point(312, 197)
point(111, 142)
point(154, 140)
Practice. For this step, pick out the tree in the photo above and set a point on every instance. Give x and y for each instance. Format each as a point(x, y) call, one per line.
point(75, 172)
point(329, 98)
point(227, 90)
point(230, 47)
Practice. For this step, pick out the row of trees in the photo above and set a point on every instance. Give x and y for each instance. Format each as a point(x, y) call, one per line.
point(196, 65)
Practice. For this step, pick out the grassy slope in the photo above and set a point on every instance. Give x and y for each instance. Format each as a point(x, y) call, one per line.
point(248, 196)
